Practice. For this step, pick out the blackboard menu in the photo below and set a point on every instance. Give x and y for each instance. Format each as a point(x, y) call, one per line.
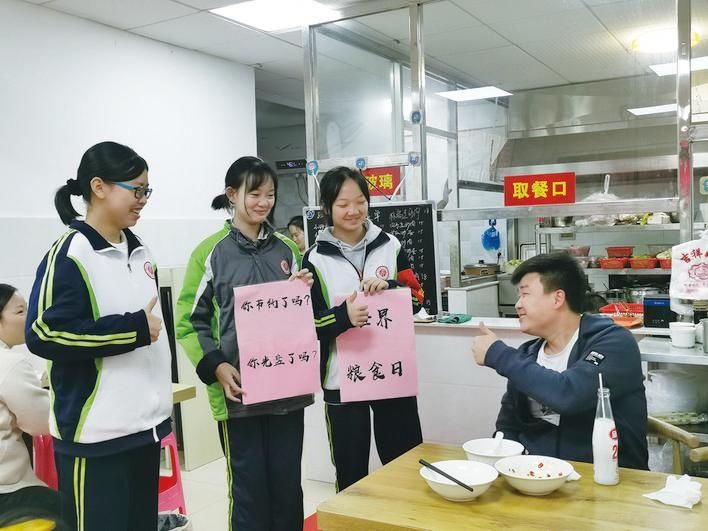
point(415, 226)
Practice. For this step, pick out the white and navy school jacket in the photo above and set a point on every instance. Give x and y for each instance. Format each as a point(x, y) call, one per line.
point(334, 275)
point(110, 387)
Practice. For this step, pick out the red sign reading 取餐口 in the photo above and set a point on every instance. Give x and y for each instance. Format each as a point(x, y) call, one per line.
point(541, 189)
point(383, 181)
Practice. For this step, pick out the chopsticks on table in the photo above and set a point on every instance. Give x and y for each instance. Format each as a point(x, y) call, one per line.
point(445, 474)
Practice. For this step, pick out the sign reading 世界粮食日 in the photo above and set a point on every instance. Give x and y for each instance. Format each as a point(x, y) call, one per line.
point(378, 360)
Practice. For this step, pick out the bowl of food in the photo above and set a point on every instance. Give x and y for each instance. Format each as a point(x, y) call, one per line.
point(642, 262)
point(664, 258)
point(490, 451)
point(479, 476)
point(535, 475)
point(613, 263)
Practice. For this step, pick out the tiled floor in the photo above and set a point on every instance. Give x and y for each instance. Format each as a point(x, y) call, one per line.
point(207, 501)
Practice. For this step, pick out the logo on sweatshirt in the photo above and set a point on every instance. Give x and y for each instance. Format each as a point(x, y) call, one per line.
point(285, 266)
point(595, 358)
point(382, 272)
point(149, 270)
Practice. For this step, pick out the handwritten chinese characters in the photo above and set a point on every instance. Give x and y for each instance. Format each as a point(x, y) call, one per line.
point(378, 360)
point(277, 343)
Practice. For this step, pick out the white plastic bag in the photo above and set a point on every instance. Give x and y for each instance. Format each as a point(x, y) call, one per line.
point(689, 270)
point(601, 197)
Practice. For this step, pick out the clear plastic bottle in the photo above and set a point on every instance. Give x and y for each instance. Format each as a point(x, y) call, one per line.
point(605, 442)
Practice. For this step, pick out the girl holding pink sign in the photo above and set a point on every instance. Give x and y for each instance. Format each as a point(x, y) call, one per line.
point(353, 255)
point(262, 442)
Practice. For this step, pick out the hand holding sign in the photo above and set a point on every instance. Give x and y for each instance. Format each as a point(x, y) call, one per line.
point(373, 284)
point(304, 275)
point(230, 380)
point(358, 313)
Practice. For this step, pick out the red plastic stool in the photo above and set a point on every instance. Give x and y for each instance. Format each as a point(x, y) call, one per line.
point(44, 466)
point(310, 523)
point(171, 495)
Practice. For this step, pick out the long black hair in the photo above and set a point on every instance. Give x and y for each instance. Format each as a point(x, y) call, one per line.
point(110, 161)
point(6, 293)
point(331, 184)
point(254, 173)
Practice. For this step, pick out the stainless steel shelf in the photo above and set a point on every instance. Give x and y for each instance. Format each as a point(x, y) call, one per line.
point(668, 227)
point(629, 206)
point(628, 271)
point(660, 350)
point(604, 228)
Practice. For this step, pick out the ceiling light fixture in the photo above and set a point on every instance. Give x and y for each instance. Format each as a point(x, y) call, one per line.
point(277, 15)
point(656, 109)
point(660, 40)
point(669, 69)
point(480, 93)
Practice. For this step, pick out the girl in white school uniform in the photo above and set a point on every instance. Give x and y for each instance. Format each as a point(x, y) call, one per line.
point(93, 313)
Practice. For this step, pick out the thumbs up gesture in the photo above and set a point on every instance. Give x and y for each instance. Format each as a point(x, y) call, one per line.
point(358, 313)
point(153, 321)
point(481, 343)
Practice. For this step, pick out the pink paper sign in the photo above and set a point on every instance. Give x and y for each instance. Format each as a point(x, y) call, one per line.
point(277, 343)
point(378, 360)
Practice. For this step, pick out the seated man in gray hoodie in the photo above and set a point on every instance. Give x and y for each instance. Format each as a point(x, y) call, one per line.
point(551, 396)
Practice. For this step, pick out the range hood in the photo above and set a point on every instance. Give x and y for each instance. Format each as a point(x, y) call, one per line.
point(586, 128)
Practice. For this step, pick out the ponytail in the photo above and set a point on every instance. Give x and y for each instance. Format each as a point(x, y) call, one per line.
point(62, 201)
point(110, 161)
point(221, 202)
point(249, 171)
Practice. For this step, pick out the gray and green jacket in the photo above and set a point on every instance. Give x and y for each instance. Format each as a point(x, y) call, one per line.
point(205, 309)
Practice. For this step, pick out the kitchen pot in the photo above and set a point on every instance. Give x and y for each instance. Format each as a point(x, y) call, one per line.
point(637, 294)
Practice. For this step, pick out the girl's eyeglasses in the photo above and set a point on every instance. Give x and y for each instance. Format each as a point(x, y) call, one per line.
point(140, 191)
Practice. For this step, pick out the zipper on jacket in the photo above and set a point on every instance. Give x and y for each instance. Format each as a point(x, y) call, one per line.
point(359, 274)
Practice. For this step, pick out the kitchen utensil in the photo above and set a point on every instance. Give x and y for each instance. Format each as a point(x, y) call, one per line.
point(637, 294)
point(566, 221)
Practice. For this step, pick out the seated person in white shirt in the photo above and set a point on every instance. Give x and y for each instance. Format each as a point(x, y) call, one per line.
point(24, 407)
point(551, 396)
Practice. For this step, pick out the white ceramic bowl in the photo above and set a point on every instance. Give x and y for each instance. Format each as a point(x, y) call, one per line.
point(535, 475)
point(484, 450)
point(477, 475)
point(683, 335)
